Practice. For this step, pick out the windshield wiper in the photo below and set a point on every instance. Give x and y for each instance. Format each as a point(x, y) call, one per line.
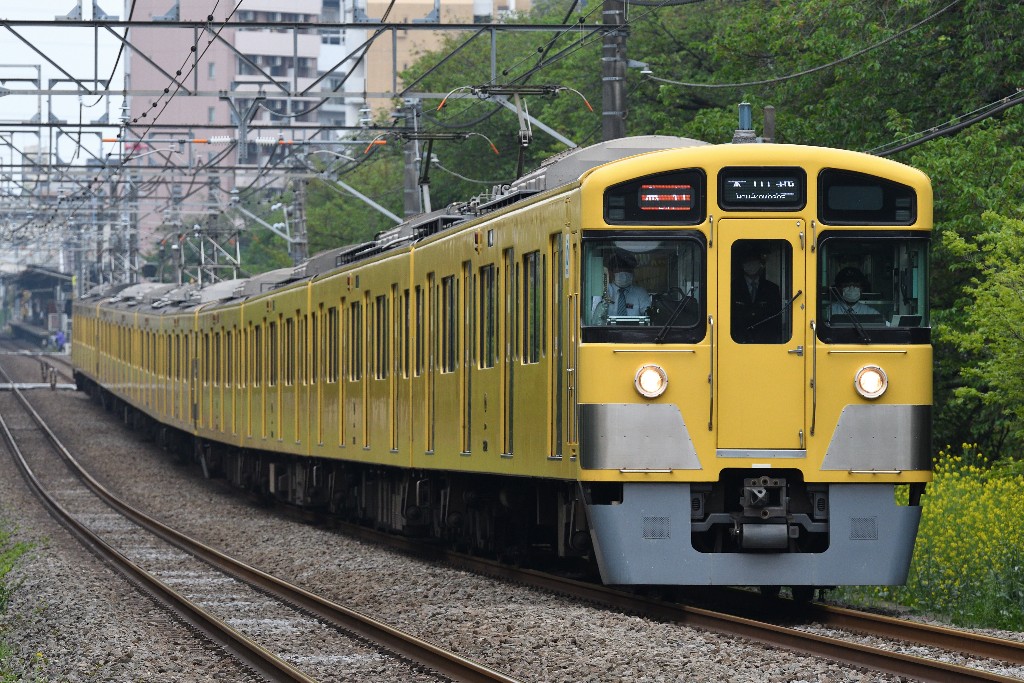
point(785, 307)
point(834, 291)
point(683, 301)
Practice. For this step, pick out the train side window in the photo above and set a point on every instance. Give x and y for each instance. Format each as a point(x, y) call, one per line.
point(302, 349)
point(488, 316)
point(356, 341)
point(449, 324)
point(407, 334)
point(229, 355)
point(289, 352)
point(398, 324)
point(216, 359)
point(273, 351)
point(332, 344)
point(533, 307)
point(382, 334)
point(317, 344)
point(257, 356)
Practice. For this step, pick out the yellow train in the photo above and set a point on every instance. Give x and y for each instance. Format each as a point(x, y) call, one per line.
point(686, 363)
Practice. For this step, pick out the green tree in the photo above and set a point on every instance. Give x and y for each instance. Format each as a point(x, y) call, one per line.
point(992, 336)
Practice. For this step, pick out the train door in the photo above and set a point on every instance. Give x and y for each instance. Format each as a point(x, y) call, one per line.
point(760, 343)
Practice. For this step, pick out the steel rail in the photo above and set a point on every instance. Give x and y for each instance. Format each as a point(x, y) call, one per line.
point(857, 654)
point(405, 645)
point(246, 651)
point(975, 644)
point(874, 658)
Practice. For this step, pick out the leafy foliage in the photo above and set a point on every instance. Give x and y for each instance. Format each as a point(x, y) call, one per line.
point(855, 74)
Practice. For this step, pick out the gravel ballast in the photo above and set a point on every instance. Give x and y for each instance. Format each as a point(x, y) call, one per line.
point(90, 625)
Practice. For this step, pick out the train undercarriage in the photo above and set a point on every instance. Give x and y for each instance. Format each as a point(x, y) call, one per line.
point(749, 528)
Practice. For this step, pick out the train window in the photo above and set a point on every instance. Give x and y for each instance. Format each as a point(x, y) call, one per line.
point(533, 307)
point(257, 356)
point(419, 330)
point(381, 352)
point(449, 324)
point(850, 198)
point(332, 344)
point(873, 287)
point(399, 331)
point(216, 358)
point(289, 352)
point(488, 316)
point(760, 293)
point(317, 345)
point(229, 355)
point(273, 351)
point(355, 344)
point(666, 198)
point(643, 287)
point(406, 332)
point(302, 349)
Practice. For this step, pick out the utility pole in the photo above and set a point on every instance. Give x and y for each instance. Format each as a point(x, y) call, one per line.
point(613, 71)
point(299, 246)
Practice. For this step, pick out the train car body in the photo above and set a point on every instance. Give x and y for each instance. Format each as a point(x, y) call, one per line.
point(690, 363)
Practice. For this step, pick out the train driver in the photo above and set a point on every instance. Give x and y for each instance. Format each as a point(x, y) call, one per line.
point(850, 282)
point(622, 296)
point(756, 301)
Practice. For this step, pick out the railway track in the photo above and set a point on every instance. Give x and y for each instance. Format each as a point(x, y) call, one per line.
point(55, 369)
point(741, 613)
point(196, 581)
point(745, 622)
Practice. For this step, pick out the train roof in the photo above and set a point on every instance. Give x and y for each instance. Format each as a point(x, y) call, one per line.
point(559, 170)
point(264, 282)
point(570, 165)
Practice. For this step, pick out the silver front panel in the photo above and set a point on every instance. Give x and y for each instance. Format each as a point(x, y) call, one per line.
point(646, 540)
point(881, 437)
point(635, 436)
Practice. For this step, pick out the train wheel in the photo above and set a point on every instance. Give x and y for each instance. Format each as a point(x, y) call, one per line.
point(802, 594)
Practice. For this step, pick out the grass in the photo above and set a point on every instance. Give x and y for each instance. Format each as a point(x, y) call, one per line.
point(11, 552)
point(968, 564)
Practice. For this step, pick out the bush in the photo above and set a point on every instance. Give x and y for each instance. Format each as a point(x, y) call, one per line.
point(969, 560)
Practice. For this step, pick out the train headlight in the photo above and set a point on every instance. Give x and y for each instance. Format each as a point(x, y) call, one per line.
point(871, 381)
point(651, 381)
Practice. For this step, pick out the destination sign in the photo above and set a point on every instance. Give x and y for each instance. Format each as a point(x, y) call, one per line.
point(761, 189)
point(666, 197)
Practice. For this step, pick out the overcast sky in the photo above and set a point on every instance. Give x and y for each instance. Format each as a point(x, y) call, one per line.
point(71, 49)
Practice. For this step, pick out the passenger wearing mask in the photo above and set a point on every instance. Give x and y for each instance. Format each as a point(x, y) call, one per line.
point(850, 284)
point(622, 296)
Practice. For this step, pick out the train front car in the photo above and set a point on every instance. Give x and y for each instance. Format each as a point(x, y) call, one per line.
point(754, 367)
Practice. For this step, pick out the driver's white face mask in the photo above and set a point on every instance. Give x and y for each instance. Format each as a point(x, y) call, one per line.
point(851, 294)
point(752, 268)
point(623, 279)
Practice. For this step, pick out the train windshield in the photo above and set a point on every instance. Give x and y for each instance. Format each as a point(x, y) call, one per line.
point(873, 288)
point(643, 287)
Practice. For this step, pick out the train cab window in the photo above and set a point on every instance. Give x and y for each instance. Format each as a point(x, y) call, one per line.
point(644, 287)
point(761, 294)
point(873, 288)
